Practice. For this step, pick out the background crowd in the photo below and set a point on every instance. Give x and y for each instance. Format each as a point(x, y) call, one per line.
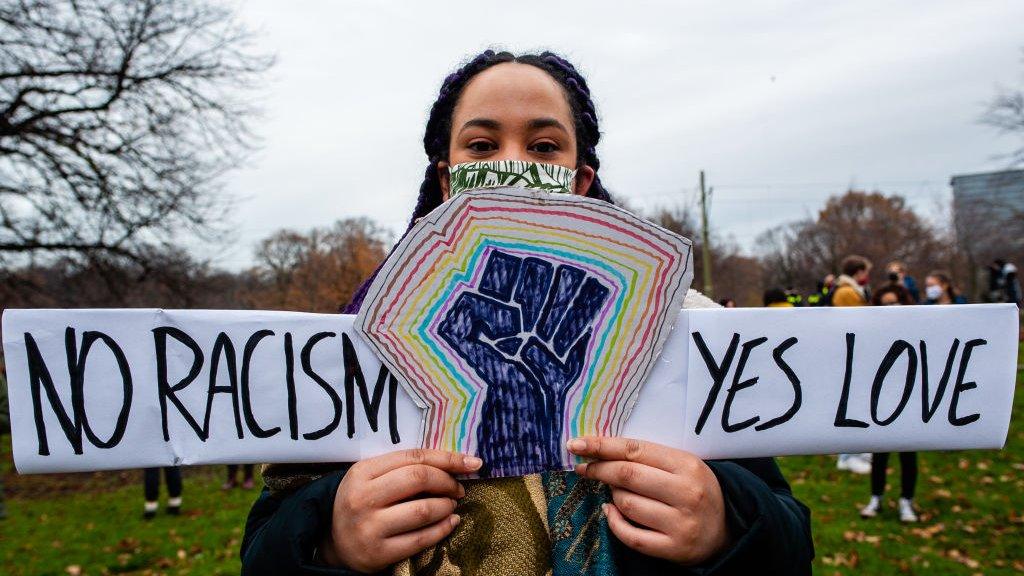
point(850, 286)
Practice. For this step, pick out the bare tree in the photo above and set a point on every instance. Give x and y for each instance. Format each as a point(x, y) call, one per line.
point(1005, 113)
point(318, 271)
point(736, 276)
point(786, 259)
point(882, 228)
point(175, 281)
point(117, 118)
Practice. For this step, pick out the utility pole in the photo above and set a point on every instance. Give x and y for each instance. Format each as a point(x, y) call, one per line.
point(705, 196)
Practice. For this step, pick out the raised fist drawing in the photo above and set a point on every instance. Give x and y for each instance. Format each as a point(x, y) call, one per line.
point(524, 331)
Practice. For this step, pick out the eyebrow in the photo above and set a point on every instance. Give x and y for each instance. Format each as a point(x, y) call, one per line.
point(535, 124)
point(539, 123)
point(482, 123)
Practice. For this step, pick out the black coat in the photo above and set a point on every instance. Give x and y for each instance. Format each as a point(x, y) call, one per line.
point(770, 529)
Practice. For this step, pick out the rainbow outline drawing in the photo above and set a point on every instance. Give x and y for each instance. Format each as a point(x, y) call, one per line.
point(644, 269)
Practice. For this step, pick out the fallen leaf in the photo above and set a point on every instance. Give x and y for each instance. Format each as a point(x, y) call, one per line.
point(929, 531)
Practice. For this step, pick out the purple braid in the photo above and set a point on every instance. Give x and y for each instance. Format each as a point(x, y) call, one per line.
point(437, 136)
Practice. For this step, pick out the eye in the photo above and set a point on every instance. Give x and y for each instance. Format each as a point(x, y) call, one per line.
point(544, 147)
point(481, 146)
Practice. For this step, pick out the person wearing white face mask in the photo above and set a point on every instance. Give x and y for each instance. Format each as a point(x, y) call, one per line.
point(939, 289)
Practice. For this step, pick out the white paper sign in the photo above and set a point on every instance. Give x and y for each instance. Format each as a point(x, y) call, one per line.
point(104, 389)
point(205, 387)
point(833, 380)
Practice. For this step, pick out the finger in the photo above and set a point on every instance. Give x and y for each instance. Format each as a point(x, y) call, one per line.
point(410, 543)
point(415, 514)
point(447, 461)
point(631, 450)
point(646, 511)
point(648, 542)
point(638, 478)
point(408, 481)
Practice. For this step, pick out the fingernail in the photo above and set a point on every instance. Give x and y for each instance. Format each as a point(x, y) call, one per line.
point(576, 445)
point(604, 509)
point(455, 520)
point(580, 469)
point(462, 491)
point(472, 462)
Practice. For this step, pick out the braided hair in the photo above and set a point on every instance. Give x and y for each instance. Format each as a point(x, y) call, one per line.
point(437, 137)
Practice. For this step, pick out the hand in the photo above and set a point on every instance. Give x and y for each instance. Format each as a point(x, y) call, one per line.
point(667, 503)
point(393, 506)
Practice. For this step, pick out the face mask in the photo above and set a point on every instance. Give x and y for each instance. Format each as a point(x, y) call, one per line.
point(933, 292)
point(520, 173)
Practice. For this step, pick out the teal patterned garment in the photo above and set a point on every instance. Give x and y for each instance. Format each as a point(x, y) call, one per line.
point(520, 173)
point(581, 541)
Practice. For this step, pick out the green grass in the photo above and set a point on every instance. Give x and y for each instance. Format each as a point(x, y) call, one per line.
point(972, 506)
point(100, 530)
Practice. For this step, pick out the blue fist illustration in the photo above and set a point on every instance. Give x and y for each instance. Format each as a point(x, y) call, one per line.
point(524, 331)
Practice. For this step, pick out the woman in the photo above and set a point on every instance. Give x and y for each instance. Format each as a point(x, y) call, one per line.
point(635, 508)
point(892, 294)
point(939, 289)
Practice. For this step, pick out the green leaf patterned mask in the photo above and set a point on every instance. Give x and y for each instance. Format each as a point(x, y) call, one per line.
point(498, 173)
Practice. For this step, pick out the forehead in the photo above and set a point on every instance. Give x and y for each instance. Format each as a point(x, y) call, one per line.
point(512, 92)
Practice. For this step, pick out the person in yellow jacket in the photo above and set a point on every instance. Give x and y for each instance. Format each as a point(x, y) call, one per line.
point(851, 285)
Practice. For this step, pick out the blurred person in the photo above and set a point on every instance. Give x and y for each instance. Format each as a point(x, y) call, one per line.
point(823, 295)
point(892, 294)
point(727, 303)
point(897, 273)
point(851, 290)
point(151, 486)
point(1004, 284)
point(776, 298)
point(794, 297)
point(232, 481)
point(851, 285)
point(939, 289)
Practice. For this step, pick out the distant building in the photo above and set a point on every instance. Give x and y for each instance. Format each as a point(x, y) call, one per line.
point(1001, 190)
point(988, 214)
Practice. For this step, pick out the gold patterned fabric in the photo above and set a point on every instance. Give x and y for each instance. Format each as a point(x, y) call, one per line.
point(503, 532)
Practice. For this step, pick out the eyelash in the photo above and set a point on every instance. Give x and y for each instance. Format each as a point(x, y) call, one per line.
point(484, 146)
point(553, 147)
point(476, 143)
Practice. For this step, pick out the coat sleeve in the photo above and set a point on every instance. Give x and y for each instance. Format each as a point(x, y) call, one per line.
point(282, 533)
point(770, 530)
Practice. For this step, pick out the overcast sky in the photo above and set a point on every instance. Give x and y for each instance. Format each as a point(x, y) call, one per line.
point(781, 103)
